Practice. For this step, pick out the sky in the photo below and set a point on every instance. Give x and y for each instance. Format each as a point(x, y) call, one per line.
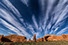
point(28, 17)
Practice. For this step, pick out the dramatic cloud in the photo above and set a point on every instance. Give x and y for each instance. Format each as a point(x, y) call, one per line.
point(28, 17)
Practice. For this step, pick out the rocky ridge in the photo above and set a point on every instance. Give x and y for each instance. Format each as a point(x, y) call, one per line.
point(18, 38)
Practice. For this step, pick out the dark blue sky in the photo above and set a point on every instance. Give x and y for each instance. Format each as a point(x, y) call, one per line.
point(28, 17)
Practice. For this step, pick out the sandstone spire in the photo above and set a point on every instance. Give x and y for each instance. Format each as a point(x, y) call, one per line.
point(34, 37)
point(29, 39)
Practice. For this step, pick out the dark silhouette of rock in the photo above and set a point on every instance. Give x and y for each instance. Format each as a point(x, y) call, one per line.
point(1, 36)
point(3, 39)
point(34, 37)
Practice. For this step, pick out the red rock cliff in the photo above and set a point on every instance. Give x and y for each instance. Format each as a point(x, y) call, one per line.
point(34, 37)
point(18, 38)
point(12, 38)
point(1, 36)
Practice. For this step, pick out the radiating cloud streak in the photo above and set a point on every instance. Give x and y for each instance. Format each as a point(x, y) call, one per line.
point(50, 18)
point(35, 22)
point(62, 31)
point(25, 2)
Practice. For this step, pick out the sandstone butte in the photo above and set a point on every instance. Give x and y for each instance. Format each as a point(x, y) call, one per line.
point(18, 38)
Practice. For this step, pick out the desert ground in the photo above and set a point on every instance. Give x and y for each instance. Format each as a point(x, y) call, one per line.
point(36, 43)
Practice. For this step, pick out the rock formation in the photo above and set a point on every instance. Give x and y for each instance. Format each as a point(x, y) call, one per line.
point(45, 37)
point(29, 40)
point(3, 39)
point(55, 38)
point(65, 37)
point(39, 40)
point(18, 38)
point(12, 38)
point(34, 37)
point(1, 36)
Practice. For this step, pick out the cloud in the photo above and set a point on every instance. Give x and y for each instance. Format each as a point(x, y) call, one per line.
point(62, 31)
point(25, 2)
point(54, 18)
point(35, 22)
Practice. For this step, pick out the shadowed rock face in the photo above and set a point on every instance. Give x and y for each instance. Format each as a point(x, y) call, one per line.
point(45, 37)
point(1, 36)
point(3, 39)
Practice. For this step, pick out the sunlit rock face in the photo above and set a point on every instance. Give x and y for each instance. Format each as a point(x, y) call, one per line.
point(28, 17)
point(12, 38)
point(15, 38)
point(63, 37)
point(34, 37)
